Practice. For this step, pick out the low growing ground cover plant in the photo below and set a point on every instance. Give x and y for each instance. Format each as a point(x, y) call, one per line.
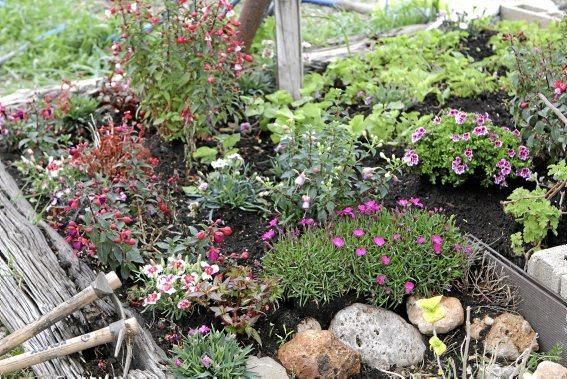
point(318, 171)
point(184, 59)
point(458, 145)
point(379, 254)
point(207, 353)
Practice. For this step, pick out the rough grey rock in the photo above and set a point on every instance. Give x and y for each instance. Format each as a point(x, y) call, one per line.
point(495, 371)
point(266, 368)
point(382, 338)
point(308, 324)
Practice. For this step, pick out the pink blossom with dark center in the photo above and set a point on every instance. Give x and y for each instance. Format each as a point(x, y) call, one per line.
point(338, 242)
point(379, 240)
point(411, 158)
point(469, 154)
point(460, 118)
point(480, 131)
point(381, 279)
point(500, 180)
point(466, 136)
point(455, 138)
point(497, 143)
point(517, 133)
point(360, 251)
point(523, 153)
point(511, 153)
point(408, 287)
point(524, 173)
point(418, 134)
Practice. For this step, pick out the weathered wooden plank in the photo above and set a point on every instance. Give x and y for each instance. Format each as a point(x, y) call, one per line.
point(19, 305)
point(288, 46)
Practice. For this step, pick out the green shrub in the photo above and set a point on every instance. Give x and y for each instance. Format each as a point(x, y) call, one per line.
point(457, 146)
point(210, 354)
point(381, 255)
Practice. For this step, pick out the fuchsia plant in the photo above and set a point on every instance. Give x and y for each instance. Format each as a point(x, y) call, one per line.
point(460, 145)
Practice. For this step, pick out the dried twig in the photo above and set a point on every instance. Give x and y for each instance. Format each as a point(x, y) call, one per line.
point(557, 112)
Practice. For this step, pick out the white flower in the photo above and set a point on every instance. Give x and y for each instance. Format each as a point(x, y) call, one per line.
point(300, 180)
point(208, 270)
point(235, 157)
point(152, 298)
point(152, 271)
point(219, 163)
point(203, 186)
point(230, 13)
point(306, 201)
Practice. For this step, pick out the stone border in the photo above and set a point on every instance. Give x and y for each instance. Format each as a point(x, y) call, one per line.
point(549, 268)
point(527, 12)
point(544, 310)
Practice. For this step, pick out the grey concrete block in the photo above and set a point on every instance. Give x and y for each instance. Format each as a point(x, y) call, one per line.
point(563, 290)
point(549, 266)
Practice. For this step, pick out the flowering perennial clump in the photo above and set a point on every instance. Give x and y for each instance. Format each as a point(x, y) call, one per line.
point(382, 255)
point(459, 145)
point(234, 294)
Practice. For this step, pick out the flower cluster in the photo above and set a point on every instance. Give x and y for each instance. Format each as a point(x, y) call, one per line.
point(460, 145)
point(235, 295)
point(381, 254)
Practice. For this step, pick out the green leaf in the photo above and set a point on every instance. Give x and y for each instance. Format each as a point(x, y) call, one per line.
point(432, 309)
point(437, 345)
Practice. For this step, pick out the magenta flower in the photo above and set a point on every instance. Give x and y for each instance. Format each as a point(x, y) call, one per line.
point(347, 212)
point(178, 362)
point(418, 134)
point(480, 130)
point(369, 207)
point(460, 118)
point(420, 240)
point(436, 241)
point(469, 154)
point(338, 242)
point(204, 329)
point(358, 233)
point(455, 138)
point(273, 222)
point(268, 235)
point(385, 260)
point(206, 361)
point(466, 136)
point(403, 202)
point(306, 222)
point(360, 251)
point(458, 166)
point(500, 180)
point(511, 153)
point(379, 241)
point(408, 287)
point(381, 279)
point(396, 236)
point(416, 202)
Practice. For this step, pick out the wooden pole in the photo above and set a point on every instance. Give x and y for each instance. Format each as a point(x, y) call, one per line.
point(288, 46)
point(103, 285)
point(251, 17)
point(73, 345)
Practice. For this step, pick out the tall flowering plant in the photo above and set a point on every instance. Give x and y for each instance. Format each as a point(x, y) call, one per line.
point(458, 145)
point(184, 59)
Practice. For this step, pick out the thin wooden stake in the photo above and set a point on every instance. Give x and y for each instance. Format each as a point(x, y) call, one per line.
point(288, 46)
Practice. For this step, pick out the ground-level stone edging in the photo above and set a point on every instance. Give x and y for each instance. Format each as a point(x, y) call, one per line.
point(549, 268)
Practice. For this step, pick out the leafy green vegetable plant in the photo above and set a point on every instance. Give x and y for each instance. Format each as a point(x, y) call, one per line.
point(381, 255)
point(209, 353)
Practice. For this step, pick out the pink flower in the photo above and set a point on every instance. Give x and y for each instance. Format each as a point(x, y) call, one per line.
point(178, 362)
point(511, 153)
point(368, 172)
point(204, 329)
point(396, 236)
point(358, 233)
point(338, 242)
point(306, 222)
point(411, 158)
point(416, 202)
point(206, 361)
point(524, 173)
point(360, 251)
point(418, 134)
point(436, 241)
point(469, 154)
point(480, 130)
point(300, 180)
point(152, 298)
point(347, 212)
point(208, 270)
point(268, 235)
point(420, 240)
point(458, 166)
point(408, 287)
point(152, 271)
point(385, 260)
point(455, 138)
point(369, 207)
point(403, 203)
point(523, 153)
point(460, 118)
point(273, 222)
point(184, 304)
point(466, 136)
point(381, 279)
point(379, 240)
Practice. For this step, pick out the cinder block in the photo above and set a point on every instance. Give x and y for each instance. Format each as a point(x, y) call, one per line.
point(563, 291)
point(549, 267)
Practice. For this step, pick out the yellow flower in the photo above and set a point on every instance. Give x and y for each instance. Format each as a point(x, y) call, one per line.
point(432, 310)
point(437, 345)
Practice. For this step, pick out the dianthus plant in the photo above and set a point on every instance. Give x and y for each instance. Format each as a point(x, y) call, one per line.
point(235, 295)
point(458, 145)
point(379, 254)
point(184, 59)
point(321, 170)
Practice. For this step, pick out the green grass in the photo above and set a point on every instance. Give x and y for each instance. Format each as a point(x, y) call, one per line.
point(78, 51)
